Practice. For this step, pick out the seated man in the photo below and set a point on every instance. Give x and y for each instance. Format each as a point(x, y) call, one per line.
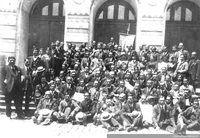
point(111, 123)
point(67, 110)
point(46, 110)
point(87, 110)
point(162, 118)
point(132, 116)
point(41, 89)
point(191, 116)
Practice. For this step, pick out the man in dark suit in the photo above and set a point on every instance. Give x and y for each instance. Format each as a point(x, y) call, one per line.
point(27, 84)
point(162, 116)
point(132, 116)
point(191, 116)
point(11, 77)
point(194, 70)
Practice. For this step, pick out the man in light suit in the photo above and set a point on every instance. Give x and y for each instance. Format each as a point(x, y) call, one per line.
point(11, 79)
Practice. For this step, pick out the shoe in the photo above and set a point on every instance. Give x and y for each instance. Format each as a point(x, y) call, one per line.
point(34, 119)
point(120, 129)
point(111, 129)
point(129, 129)
point(183, 129)
point(20, 117)
point(73, 122)
point(85, 124)
point(8, 118)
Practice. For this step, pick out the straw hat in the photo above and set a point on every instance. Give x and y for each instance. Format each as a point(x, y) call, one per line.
point(79, 116)
point(40, 69)
point(105, 116)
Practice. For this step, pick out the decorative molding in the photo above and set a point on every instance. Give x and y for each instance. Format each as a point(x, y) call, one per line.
point(78, 14)
point(152, 16)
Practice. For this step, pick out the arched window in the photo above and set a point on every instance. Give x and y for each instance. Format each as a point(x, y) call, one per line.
point(54, 8)
point(112, 18)
point(183, 11)
point(116, 11)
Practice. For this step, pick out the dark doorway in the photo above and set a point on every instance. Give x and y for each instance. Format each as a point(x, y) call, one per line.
point(47, 21)
point(112, 18)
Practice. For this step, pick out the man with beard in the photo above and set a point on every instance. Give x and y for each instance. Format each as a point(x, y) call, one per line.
point(12, 89)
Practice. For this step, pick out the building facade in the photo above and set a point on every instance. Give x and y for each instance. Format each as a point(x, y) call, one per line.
point(28, 23)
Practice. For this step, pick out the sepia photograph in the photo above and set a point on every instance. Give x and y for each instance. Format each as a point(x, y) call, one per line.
point(100, 68)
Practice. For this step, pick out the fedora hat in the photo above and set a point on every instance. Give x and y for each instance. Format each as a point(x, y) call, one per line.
point(105, 116)
point(79, 116)
point(40, 69)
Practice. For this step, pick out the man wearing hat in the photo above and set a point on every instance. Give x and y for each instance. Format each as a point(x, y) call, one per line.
point(12, 87)
point(194, 70)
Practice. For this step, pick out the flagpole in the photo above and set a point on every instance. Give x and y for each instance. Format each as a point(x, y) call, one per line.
point(128, 29)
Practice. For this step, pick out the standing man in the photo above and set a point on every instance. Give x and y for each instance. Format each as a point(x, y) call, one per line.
point(27, 84)
point(11, 79)
point(194, 69)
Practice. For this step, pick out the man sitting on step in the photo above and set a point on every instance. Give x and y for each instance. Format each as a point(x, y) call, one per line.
point(67, 110)
point(47, 109)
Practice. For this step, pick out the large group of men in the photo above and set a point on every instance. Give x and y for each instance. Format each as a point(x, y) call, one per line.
point(109, 85)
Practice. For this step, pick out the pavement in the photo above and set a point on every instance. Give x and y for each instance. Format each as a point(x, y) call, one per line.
point(27, 129)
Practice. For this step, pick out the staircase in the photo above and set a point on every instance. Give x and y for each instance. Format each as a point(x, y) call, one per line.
point(3, 104)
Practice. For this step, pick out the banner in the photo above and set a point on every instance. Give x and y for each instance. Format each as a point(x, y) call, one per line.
point(125, 40)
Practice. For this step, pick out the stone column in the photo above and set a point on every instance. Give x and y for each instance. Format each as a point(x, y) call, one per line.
point(22, 36)
point(66, 17)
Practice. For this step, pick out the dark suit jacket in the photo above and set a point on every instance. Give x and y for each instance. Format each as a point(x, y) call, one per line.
point(11, 77)
point(27, 83)
point(127, 108)
point(65, 90)
point(190, 115)
point(158, 116)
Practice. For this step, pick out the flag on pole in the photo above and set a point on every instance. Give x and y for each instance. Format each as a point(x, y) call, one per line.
point(128, 29)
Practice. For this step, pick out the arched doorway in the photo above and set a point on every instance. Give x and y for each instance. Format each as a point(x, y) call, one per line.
point(47, 20)
point(112, 18)
point(183, 25)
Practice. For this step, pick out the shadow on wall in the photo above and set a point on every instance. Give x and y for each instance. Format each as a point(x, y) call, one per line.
point(2, 64)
